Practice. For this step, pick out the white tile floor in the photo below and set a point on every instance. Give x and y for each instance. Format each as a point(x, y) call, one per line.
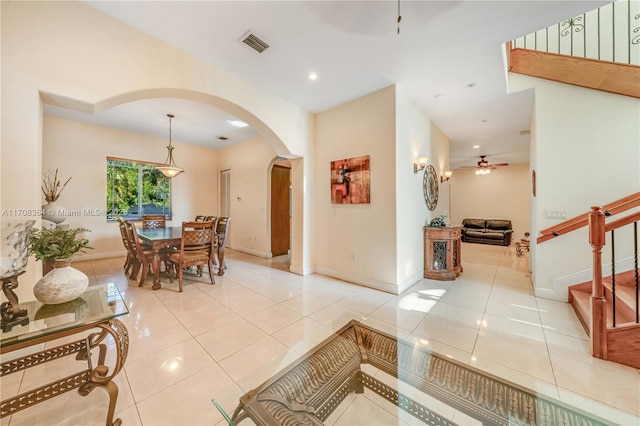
point(221, 341)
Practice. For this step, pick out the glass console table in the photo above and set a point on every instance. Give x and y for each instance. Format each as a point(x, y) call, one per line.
point(95, 311)
point(309, 390)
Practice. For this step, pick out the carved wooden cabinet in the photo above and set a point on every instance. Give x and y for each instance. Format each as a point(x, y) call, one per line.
point(442, 254)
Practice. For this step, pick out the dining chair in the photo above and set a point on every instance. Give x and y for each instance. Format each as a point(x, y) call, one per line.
point(222, 232)
point(153, 221)
point(200, 218)
point(131, 258)
point(144, 258)
point(196, 249)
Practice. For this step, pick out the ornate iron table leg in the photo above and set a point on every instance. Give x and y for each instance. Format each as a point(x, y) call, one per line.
point(85, 381)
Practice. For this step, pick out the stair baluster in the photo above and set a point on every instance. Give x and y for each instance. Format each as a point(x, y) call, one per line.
point(635, 265)
point(613, 275)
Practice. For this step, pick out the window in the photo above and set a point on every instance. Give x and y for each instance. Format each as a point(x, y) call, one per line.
point(135, 189)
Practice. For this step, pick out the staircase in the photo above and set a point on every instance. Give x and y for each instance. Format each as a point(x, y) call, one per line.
point(623, 339)
point(598, 50)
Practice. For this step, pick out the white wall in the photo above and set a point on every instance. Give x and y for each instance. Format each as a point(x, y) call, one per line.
point(104, 62)
point(416, 136)
point(357, 242)
point(250, 165)
point(502, 194)
point(587, 153)
point(79, 151)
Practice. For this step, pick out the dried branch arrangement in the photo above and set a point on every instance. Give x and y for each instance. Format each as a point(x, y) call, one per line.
point(51, 186)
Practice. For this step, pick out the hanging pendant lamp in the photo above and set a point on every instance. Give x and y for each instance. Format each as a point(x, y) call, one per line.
point(170, 170)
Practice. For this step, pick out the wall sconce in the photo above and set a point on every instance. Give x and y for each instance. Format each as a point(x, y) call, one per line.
point(420, 165)
point(446, 176)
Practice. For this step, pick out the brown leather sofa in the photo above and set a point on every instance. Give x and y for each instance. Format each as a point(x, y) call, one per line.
point(487, 231)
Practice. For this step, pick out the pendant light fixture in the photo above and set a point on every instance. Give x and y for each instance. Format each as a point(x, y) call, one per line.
point(170, 170)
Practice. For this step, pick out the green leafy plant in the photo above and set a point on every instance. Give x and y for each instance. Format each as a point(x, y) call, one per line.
point(52, 244)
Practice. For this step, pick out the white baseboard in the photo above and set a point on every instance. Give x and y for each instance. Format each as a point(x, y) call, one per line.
point(562, 284)
point(363, 281)
point(301, 271)
point(406, 284)
point(546, 293)
point(97, 256)
point(258, 253)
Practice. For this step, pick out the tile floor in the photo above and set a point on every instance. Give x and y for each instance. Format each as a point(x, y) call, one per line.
point(221, 341)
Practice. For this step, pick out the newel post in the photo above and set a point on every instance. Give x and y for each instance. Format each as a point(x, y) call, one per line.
point(597, 240)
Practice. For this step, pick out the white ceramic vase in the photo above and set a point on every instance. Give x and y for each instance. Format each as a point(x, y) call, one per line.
point(53, 212)
point(61, 285)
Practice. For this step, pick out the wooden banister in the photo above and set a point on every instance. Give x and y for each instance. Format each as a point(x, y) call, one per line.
point(622, 222)
point(597, 239)
point(615, 207)
point(603, 345)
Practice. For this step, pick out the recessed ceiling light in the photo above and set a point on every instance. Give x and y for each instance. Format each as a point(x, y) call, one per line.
point(471, 85)
point(222, 138)
point(313, 76)
point(486, 120)
point(237, 123)
point(476, 147)
point(438, 96)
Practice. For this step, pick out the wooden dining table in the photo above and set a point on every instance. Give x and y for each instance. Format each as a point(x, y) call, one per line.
point(161, 238)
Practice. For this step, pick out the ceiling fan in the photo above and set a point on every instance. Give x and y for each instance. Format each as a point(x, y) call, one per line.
point(483, 167)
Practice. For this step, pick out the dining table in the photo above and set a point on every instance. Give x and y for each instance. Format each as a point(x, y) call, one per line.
point(171, 236)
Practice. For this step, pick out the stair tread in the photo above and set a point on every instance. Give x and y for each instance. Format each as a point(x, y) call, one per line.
point(625, 300)
point(583, 301)
point(626, 278)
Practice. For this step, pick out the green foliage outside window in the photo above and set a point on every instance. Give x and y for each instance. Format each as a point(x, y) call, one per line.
point(134, 189)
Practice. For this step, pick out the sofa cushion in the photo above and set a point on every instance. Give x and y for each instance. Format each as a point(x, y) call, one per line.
point(474, 233)
point(493, 235)
point(474, 223)
point(500, 225)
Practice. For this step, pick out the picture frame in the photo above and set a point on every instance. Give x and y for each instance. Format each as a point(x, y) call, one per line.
point(351, 180)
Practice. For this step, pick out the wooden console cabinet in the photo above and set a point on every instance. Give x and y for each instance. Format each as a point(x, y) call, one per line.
point(442, 254)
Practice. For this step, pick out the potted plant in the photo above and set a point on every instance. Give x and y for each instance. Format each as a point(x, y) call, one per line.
point(56, 247)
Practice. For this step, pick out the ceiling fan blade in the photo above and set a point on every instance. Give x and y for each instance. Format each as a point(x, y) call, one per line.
point(500, 164)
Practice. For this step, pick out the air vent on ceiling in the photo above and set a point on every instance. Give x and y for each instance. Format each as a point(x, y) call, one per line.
point(524, 132)
point(254, 42)
point(222, 138)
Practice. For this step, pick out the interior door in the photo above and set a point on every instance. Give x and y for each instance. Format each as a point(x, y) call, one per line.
point(224, 198)
point(225, 193)
point(280, 210)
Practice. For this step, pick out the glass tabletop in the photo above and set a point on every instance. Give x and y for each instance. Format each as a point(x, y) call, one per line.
point(97, 304)
point(168, 233)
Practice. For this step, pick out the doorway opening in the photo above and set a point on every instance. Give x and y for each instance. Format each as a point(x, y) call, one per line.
point(280, 213)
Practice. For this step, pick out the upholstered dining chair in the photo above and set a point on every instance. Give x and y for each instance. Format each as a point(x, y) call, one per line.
point(153, 221)
point(196, 249)
point(200, 218)
point(144, 258)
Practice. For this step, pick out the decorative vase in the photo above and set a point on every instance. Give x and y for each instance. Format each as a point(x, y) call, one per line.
point(14, 256)
point(61, 285)
point(14, 249)
point(53, 212)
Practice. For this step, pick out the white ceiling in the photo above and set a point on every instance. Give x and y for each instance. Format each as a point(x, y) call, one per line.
point(448, 48)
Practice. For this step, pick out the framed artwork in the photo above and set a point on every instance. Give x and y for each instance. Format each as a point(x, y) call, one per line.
point(350, 181)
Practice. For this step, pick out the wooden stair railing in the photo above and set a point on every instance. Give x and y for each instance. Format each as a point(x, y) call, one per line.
point(604, 343)
point(613, 77)
point(582, 220)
